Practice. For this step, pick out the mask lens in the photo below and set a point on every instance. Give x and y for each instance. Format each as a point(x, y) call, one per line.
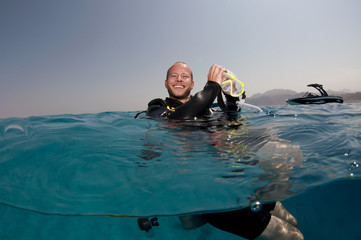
point(232, 86)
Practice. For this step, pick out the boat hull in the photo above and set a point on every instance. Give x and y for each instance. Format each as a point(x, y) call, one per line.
point(315, 100)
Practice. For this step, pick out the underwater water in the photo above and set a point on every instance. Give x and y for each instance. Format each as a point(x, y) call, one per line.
point(90, 176)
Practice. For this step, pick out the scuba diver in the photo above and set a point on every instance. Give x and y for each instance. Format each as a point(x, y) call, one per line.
point(272, 221)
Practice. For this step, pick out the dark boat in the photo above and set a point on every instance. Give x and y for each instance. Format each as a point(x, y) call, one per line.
point(311, 98)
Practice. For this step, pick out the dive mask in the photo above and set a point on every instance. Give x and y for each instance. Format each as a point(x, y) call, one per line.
point(232, 86)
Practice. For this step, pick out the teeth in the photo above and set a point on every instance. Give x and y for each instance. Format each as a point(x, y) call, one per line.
point(178, 86)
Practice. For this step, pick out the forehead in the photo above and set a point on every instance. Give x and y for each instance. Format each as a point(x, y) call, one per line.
point(179, 68)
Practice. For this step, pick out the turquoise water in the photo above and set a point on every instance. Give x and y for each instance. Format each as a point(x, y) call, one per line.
point(61, 176)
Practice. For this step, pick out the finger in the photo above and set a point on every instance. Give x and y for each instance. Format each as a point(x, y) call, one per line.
point(216, 73)
point(213, 69)
point(219, 72)
point(211, 72)
point(216, 70)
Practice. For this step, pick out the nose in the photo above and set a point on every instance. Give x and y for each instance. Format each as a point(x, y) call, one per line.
point(179, 78)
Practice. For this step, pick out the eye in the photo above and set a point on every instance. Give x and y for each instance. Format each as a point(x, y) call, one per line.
point(173, 75)
point(185, 76)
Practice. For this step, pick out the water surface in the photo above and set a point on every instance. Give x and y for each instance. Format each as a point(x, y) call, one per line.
point(112, 164)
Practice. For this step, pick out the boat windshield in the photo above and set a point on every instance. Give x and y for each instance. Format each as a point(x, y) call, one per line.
point(310, 94)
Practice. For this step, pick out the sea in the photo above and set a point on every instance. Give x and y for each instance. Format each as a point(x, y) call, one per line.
point(93, 176)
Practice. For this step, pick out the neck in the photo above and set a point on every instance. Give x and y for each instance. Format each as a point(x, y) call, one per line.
point(182, 100)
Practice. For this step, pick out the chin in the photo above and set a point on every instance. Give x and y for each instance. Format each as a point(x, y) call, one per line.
point(179, 95)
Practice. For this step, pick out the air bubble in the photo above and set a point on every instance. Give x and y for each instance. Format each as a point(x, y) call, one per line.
point(353, 166)
point(354, 169)
point(256, 206)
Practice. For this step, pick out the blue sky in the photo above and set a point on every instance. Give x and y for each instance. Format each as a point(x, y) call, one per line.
point(89, 56)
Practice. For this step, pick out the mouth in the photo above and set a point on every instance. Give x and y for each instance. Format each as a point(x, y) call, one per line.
point(179, 86)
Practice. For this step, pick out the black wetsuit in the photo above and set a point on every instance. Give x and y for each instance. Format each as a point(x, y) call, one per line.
point(244, 222)
point(197, 106)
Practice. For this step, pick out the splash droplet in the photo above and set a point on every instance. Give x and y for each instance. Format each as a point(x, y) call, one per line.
point(14, 129)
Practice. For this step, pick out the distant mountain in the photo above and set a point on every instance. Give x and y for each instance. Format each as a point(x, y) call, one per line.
point(272, 97)
point(279, 97)
point(352, 97)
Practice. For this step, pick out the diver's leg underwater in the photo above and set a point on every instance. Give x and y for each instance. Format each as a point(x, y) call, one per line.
point(272, 222)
